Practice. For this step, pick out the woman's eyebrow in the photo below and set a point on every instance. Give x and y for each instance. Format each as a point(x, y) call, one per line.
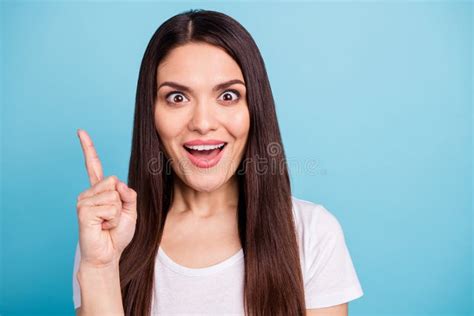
point(187, 89)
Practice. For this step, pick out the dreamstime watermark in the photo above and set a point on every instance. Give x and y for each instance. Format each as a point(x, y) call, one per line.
point(272, 163)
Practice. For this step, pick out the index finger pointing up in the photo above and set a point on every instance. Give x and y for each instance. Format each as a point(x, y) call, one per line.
point(93, 165)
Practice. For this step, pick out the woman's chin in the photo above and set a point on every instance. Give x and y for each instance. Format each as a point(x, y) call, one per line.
point(203, 179)
point(206, 183)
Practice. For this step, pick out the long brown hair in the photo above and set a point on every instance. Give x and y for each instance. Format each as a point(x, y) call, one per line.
point(273, 282)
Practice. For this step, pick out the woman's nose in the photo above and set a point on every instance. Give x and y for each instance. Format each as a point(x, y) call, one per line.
point(203, 118)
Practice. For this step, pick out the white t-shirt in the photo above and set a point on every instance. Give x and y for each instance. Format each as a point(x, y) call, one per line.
point(328, 272)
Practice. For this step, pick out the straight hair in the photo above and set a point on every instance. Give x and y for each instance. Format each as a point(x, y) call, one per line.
point(273, 281)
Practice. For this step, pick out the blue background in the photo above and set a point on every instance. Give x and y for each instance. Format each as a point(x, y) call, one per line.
point(377, 94)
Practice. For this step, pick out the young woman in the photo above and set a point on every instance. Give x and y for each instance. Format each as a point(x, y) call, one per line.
point(207, 223)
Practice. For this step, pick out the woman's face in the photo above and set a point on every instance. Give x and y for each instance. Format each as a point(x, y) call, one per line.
point(200, 105)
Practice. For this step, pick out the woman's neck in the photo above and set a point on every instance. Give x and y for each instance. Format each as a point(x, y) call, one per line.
point(205, 204)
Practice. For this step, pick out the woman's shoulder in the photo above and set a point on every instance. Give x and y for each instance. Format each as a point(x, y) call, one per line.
point(314, 217)
point(328, 272)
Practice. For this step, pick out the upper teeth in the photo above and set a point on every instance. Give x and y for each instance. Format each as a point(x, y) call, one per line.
point(205, 147)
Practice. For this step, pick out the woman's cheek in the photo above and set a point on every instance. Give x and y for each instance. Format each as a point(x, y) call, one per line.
point(165, 131)
point(240, 122)
point(167, 124)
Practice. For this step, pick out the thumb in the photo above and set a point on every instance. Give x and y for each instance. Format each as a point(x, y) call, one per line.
point(128, 197)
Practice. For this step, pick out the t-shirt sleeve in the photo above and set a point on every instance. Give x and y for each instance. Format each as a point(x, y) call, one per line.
point(76, 290)
point(330, 275)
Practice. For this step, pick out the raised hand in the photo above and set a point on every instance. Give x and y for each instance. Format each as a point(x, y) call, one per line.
point(107, 212)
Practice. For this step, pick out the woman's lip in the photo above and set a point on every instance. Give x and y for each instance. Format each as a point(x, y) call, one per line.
point(198, 142)
point(203, 162)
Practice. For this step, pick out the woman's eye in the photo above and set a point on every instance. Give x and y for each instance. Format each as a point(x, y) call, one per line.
point(175, 97)
point(179, 97)
point(228, 95)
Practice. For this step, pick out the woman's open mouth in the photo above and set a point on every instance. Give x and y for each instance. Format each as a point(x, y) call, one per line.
point(205, 156)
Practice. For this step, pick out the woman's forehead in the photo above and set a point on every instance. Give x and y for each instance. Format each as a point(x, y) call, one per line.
point(195, 63)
